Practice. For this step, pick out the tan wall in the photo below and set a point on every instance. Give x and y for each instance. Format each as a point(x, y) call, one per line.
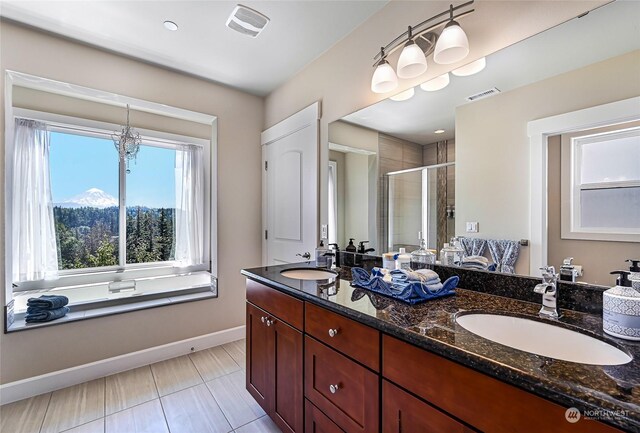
point(341, 77)
point(353, 136)
point(240, 120)
point(598, 258)
point(492, 146)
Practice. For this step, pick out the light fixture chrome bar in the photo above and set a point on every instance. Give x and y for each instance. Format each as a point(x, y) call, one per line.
point(416, 31)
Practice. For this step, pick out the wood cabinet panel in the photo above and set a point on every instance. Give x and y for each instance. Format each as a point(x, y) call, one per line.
point(345, 391)
point(479, 400)
point(259, 357)
point(317, 422)
point(278, 304)
point(354, 339)
point(403, 413)
point(287, 408)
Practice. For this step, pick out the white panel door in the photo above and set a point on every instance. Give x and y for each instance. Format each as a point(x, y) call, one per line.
point(290, 188)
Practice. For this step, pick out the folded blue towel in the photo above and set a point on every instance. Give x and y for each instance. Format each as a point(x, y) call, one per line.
point(45, 315)
point(50, 302)
point(412, 292)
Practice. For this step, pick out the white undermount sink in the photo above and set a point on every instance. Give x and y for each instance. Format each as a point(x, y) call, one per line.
point(308, 274)
point(543, 339)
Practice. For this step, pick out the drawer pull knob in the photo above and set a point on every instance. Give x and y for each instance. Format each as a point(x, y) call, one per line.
point(269, 322)
point(334, 388)
point(333, 332)
point(263, 319)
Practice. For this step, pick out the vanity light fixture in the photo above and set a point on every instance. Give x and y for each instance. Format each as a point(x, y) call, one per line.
point(170, 25)
point(471, 68)
point(412, 61)
point(384, 77)
point(403, 96)
point(439, 131)
point(417, 43)
point(127, 142)
point(437, 83)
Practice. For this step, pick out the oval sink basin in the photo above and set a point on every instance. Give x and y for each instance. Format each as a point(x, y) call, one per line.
point(308, 274)
point(543, 339)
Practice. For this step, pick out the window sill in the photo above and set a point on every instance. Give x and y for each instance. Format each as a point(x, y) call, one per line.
point(82, 309)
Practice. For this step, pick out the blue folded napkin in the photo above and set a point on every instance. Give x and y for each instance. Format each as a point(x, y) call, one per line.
point(423, 275)
point(50, 302)
point(35, 314)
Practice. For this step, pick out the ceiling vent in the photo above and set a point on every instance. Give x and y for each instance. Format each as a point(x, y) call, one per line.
point(247, 21)
point(483, 94)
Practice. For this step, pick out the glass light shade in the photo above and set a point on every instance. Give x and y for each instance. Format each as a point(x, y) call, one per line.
point(436, 84)
point(384, 78)
point(452, 45)
point(412, 61)
point(403, 96)
point(471, 68)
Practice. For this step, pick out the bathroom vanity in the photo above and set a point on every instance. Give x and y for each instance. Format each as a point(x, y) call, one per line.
point(325, 357)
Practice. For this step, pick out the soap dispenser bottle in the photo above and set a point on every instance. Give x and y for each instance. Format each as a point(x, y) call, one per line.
point(634, 273)
point(321, 255)
point(350, 256)
point(621, 309)
point(351, 247)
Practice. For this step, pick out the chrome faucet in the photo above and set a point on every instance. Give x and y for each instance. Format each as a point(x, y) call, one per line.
point(549, 291)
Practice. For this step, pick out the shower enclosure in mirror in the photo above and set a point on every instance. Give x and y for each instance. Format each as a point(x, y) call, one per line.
point(419, 200)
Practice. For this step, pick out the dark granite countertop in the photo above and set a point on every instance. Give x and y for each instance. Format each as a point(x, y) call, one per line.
point(612, 391)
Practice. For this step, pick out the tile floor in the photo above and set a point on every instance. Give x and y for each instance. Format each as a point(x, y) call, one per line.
point(203, 392)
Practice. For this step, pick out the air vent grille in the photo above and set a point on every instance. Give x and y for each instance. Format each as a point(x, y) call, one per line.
point(483, 94)
point(247, 21)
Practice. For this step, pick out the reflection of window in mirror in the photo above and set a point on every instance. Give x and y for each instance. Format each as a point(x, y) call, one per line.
point(601, 183)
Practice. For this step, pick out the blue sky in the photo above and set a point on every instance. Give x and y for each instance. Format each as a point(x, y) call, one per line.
point(79, 163)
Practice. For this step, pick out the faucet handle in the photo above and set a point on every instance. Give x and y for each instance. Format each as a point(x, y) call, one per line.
point(549, 273)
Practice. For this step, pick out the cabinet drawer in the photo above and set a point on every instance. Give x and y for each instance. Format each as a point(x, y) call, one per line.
point(281, 305)
point(317, 422)
point(355, 340)
point(402, 412)
point(345, 391)
point(475, 398)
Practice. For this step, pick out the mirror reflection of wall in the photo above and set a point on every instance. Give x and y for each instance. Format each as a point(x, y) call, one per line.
point(353, 173)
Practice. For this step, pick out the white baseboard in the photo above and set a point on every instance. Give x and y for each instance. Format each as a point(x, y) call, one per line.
point(33, 386)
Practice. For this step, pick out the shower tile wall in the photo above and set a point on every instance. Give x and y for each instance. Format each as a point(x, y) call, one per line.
point(394, 155)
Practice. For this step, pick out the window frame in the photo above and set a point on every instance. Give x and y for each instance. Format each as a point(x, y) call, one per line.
point(86, 276)
point(571, 164)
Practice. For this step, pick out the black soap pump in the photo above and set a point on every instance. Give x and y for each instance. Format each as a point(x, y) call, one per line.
point(351, 247)
point(623, 278)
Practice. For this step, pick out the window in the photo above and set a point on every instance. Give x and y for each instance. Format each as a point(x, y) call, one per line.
point(101, 216)
point(601, 179)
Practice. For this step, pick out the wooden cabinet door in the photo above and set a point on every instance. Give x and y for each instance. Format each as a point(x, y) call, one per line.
point(259, 356)
point(317, 422)
point(403, 413)
point(287, 401)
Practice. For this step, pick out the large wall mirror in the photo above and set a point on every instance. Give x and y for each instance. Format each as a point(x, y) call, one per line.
point(453, 157)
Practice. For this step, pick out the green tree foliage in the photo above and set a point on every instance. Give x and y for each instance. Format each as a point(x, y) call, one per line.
point(88, 237)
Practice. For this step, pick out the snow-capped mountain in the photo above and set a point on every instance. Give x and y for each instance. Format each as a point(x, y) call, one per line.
point(93, 197)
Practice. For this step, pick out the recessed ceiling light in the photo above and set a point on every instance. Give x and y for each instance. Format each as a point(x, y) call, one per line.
point(403, 96)
point(438, 131)
point(170, 25)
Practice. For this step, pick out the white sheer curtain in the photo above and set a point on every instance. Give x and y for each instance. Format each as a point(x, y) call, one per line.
point(333, 203)
point(35, 255)
point(189, 244)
